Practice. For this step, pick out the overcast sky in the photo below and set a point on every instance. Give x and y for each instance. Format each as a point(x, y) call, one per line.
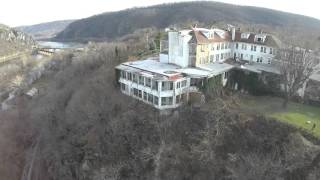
point(27, 12)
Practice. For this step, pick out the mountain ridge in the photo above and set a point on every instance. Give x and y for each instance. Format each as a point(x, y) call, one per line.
point(110, 25)
point(45, 30)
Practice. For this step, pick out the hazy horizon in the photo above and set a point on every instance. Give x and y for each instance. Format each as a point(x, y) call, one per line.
point(35, 11)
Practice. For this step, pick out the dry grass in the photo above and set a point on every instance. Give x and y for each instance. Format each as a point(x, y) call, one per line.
point(299, 115)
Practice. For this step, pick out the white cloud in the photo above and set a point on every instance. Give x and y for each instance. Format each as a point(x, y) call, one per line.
point(24, 12)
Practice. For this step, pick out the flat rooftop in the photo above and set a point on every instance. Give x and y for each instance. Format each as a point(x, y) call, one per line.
point(216, 68)
point(259, 68)
point(166, 69)
point(153, 66)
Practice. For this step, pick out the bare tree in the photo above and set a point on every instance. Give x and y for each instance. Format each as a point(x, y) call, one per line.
point(296, 66)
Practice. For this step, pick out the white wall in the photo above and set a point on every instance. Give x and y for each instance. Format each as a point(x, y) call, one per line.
point(159, 93)
point(179, 49)
point(256, 54)
point(216, 52)
point(164, 58)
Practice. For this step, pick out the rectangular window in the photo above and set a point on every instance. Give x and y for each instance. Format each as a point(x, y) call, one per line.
point(141, 80)
point(123, 87)
point(167, 85)
point(202, 60)
point(166, 101)
point(270, 51)
point(251, 57)
point(184, 83)
point(163, 101)
point(218, 46)
point(265, 50)
point(226, 45)
point(145, 96)
point(225, 75)
point(261, 49)
point(221, 55)
point(135, 92)
point(251, 47)
point(212, 47)
point(150, 98)
point(155, 85)
point(178, 85)
point(140, 94)
point(148, 82)
point(129, 76)
point(237, 45)
point(202, 48)
point(255, 48)
point(135, 78)
point(171, 85)
point(156, 100)
point(178, 97)
point(211, 58)
point(217, 57)
point(123, 74)
point(222, 45)
point(269, 61)
point(170, 100)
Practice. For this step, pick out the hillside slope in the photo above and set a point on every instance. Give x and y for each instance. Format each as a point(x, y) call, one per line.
point(115, 24)
point(82, 127)
point(12, 41)
point(45, 30)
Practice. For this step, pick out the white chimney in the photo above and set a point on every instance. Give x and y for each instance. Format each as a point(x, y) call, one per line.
point(233, 35)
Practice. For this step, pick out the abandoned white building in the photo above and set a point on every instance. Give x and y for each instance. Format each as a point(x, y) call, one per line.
point(187, 58)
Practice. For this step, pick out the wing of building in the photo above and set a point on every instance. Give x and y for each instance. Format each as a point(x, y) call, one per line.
point(190, 57)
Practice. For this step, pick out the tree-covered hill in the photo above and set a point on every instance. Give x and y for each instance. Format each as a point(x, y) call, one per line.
point(45, 30)
point(115, 24)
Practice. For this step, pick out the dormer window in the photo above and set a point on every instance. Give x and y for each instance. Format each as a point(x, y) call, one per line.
point(260, 38)
point(211, 35)
point(245, 35)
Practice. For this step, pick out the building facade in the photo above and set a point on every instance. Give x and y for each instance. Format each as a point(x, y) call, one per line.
point(187, 59)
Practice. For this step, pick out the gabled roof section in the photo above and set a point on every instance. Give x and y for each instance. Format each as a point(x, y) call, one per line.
point(199, 37)
point(269, 41)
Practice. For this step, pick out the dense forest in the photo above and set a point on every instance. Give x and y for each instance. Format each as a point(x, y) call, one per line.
point(116, 24)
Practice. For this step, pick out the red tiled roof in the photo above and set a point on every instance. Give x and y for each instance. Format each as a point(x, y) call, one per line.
point(200, 38)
